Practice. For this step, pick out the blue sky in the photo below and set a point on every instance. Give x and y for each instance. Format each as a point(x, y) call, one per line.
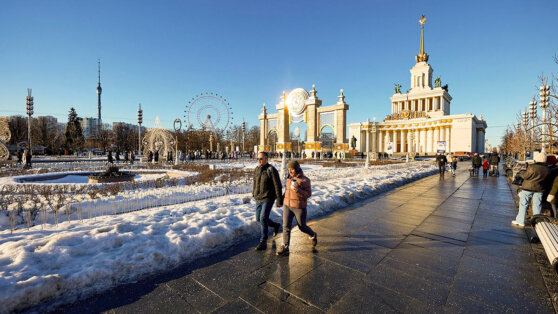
point(163, 53)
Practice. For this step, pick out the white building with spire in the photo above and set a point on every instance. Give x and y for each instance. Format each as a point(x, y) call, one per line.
point(421, 121)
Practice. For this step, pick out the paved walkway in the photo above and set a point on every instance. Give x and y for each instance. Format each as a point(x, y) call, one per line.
point(429, 246)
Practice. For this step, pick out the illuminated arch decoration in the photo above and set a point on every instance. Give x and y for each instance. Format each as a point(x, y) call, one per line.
point(300, 105)
point(158, 139)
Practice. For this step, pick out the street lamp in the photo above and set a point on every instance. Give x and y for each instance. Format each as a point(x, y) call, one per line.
point(140, 121)
point(544, 98)
point(177, 126)
point(525, 126)
point(29, 103)
point(533, 116)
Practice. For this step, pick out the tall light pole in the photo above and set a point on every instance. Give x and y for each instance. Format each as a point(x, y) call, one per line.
point(544, 98)
point(533, 116)
point(29, 103)
point(140, 121)
point(243, 133)
point(525, 126)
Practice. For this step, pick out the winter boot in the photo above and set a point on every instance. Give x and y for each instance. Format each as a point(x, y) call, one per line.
point(282, 250)
point(314, 239)
point(261, 246)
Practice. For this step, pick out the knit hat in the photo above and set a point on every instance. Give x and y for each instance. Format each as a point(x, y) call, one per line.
point(539, 157)
point(293, 164)
point(551, 160)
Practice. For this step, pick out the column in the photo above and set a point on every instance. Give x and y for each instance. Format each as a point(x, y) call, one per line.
point(417, 139)
point(448, 138)
point(403, 141)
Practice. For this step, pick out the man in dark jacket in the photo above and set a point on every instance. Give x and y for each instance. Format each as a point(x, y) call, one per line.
point(532, 187)
point(266, 189)
point(494, 161)
point(441, 160)
point(477, 163)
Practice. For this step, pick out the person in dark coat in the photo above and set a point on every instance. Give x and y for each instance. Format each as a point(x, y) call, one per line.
point(297, 191)
point(532, 188)
point(441, 160)
point(477, 163)
point(266, 189)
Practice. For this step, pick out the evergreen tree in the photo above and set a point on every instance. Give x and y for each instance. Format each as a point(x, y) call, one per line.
point(74, 132)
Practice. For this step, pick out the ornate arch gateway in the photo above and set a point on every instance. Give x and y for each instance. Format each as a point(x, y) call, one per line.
point(298, 106)
point(158, 139)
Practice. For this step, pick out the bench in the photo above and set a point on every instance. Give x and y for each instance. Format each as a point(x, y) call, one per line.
point(547, 231)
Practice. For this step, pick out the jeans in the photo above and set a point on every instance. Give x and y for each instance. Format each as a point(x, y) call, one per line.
point(288, 215)
point(262, 215)
point(524, 199)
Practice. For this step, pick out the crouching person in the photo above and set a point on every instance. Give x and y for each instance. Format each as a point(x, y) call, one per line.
point(297, 191)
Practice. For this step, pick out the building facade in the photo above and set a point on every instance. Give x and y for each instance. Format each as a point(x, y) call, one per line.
point(421, 121)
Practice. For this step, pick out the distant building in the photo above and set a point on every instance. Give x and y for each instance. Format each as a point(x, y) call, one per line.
point(89, 127)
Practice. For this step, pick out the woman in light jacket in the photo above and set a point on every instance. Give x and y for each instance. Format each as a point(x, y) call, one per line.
point(297, 191)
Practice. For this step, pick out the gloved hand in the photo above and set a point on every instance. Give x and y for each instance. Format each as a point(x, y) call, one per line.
point(549, 198)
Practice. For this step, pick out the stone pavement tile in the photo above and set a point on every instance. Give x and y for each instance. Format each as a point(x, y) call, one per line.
point(200, 298)
point(225, 279)
point(325, 285)
point(408, 219)
point(236, 306)
point(512, 277)
point(270, 299)
point(519, 261)
point(442, 260)
point(498, 295)
point(160, 300)
point(453, 222)
point(287, 269)
point(403, 283)
point(443, 231)
point(252, 260)
point(357, 254)
point(366, 297)
point(461, 305)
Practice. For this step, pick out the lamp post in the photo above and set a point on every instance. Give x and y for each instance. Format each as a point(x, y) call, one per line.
point(533, 116)
point(140, 121)
point(29, 103)
point(525, 126)
point(177, 126)
point(544, 98)
point(243, 137)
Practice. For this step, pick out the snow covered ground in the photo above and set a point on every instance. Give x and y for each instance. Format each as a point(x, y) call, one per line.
point(53, 265)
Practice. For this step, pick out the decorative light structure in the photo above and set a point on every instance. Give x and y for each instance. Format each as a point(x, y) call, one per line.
point(544, 98)
point(140, 121)
point(533, 116)
point(29, 103)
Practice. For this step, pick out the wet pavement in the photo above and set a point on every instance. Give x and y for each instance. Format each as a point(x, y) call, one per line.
point(430, 246)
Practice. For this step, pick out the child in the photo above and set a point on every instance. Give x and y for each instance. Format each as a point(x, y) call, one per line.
point(485, 167)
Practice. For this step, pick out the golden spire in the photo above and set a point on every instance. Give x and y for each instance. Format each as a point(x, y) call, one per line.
point(422, 56)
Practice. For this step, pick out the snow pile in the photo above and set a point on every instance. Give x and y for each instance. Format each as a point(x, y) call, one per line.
point(57, 266)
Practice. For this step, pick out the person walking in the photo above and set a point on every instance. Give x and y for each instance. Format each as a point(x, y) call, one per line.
point(494, 161)
point(453, 165)
point(532, 188)
point(297, 192)
point(485, 167)
point(266, 189)
point(477, 163)
point(441, 160)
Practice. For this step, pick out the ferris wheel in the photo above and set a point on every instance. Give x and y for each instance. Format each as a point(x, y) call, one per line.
point(208, 111)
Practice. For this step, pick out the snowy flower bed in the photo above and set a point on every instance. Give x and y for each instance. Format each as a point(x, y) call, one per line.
point(54, 266)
